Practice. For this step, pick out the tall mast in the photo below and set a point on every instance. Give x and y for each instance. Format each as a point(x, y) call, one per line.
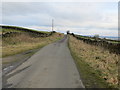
point(52, 24)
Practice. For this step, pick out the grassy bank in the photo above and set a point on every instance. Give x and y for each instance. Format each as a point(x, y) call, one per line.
point(98, 68)
point(23, 42)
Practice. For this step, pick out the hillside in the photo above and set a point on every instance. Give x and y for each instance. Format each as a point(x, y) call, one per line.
point(17, 39)
point(111, 45)
point(8, 30)
point(97, 63)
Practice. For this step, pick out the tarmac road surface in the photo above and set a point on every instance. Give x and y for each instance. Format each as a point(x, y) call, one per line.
point(51, 67)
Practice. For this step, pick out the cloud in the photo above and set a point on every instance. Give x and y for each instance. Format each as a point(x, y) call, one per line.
point(92, 17)
point(59, 1)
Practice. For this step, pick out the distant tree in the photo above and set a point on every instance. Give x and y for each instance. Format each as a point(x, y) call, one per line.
point(96, 36)
point(68, 32)
point(72, 34)
point(53, 31)
point(104, 38)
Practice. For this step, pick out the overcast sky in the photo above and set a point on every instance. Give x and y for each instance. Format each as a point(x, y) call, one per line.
point(86, 18)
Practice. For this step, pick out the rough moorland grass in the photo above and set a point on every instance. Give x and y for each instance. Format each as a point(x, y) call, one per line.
point(98, 68)
point(23, 42)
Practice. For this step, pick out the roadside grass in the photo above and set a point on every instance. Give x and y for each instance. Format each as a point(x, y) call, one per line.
point(24, 42)
point(98, 68)
point(6, 61)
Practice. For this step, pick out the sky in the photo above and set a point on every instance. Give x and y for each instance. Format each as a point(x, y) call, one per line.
point(85, 18)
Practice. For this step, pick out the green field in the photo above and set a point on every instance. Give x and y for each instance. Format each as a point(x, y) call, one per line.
point(93, 38)
point(4, 29)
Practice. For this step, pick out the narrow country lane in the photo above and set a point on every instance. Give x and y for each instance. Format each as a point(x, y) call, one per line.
point(51, 67)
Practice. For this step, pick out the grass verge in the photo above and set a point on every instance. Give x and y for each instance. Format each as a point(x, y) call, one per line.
point(21, 47)
point(92, 62)
point(24, 42)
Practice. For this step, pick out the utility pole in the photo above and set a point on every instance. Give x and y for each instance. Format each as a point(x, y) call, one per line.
point(52, 24)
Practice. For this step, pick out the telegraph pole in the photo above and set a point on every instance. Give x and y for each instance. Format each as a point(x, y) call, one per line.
point(52, 24)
